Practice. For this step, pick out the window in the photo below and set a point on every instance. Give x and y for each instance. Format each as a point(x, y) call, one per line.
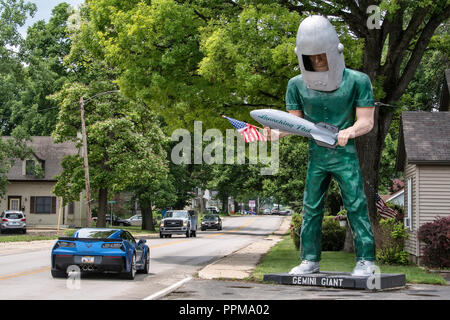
point(29, 167)
point(127, 236)
point(13, 216)
point(71, 208)
point(42, 204)
point(95, 233)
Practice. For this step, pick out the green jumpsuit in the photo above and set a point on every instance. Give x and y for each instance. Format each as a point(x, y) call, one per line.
point(337, 108)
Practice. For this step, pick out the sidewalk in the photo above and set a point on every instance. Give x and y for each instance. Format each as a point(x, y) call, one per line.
point(241, 263)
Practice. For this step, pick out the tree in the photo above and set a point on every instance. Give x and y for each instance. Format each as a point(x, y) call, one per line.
point(13, 14)
point(12, 148)
point(120, 154)
point(42, 52)
point(196, 59)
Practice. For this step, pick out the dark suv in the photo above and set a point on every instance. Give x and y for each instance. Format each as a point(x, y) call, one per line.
point(211, 221)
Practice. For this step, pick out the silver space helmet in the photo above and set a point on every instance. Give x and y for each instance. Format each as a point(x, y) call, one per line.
point(316, 35)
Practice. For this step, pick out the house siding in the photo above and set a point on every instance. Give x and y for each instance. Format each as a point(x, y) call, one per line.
point(434, 196)
point(430, 198)
point(29, 189)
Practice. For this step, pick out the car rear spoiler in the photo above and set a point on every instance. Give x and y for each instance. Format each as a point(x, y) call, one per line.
point(89, 239)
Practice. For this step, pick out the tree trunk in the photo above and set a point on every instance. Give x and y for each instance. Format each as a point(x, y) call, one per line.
point(225, 204)
point(102, 207)
point(369, 148)
point(147, 216)
point(348, 244)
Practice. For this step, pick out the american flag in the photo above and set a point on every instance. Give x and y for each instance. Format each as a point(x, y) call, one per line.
point(248, 131)
point(383, 209)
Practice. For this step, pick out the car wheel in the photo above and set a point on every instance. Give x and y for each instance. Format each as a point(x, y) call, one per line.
point(59, 274)
point(132, 273)
point(188, 233)
point(146, 268)
point(160, 235)
point(24, 231)
point(194, 233)
point(203, 229)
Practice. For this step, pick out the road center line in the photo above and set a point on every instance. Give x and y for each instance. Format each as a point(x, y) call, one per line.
point(25, 273)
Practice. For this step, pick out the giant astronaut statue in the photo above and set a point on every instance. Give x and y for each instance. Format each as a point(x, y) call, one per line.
point(327, 91)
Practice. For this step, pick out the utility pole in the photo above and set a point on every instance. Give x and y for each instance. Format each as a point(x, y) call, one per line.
point(85, 154)
point(86, 164)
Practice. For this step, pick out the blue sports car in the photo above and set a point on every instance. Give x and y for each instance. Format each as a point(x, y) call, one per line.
point(100, 250)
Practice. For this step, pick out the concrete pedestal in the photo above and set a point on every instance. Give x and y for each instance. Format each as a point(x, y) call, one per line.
point(339, 280)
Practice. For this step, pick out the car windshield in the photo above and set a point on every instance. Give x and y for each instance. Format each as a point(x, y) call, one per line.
point(95, 233)
point(210, 218)
point(13, 216)
point(176, 214)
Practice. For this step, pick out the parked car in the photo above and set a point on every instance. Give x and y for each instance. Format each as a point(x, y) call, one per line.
point(275, 211)
point(100, 250)
point(267, 211)
point(285, 212)
point(12, 220)
point(135, 220)
point(118, 221)
point(211, 221)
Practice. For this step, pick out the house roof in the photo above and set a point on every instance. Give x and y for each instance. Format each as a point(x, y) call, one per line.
point(395, 195)
point(424, 138)
point(45, 150)
point(444, 104)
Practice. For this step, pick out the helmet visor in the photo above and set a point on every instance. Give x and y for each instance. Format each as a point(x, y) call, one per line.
point(316, 62)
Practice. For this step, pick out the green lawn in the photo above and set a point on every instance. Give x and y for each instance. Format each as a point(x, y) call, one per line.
point(283, 257)
point(25, 237)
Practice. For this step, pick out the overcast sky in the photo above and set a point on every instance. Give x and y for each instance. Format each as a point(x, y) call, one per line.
point(44, 11)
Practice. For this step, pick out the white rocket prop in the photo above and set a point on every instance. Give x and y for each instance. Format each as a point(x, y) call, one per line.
point(324, 134)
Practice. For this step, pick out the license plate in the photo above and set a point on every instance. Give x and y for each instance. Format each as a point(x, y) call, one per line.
point(13, 223)
point(87, 259)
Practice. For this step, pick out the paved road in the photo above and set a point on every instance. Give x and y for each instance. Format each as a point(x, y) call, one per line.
point(26, 274)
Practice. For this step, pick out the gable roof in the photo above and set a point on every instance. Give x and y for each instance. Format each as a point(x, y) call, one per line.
point(50, 153)
point(424, 138)
point(444, 104)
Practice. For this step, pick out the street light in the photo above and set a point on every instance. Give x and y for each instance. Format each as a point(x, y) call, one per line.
point(85, 155)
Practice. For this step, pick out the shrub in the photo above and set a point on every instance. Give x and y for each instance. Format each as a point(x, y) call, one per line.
point(400, 209)
point(333, 235)
point(436, 236)
point(392, 242)
point(296, 225)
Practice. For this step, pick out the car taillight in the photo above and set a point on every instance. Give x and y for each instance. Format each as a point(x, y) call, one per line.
point(5, 220)
point(64, 244)
point(113, 246)
point(23, 220)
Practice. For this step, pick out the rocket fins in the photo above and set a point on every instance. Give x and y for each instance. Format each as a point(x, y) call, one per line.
point(324, 141)
point(327, 126)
